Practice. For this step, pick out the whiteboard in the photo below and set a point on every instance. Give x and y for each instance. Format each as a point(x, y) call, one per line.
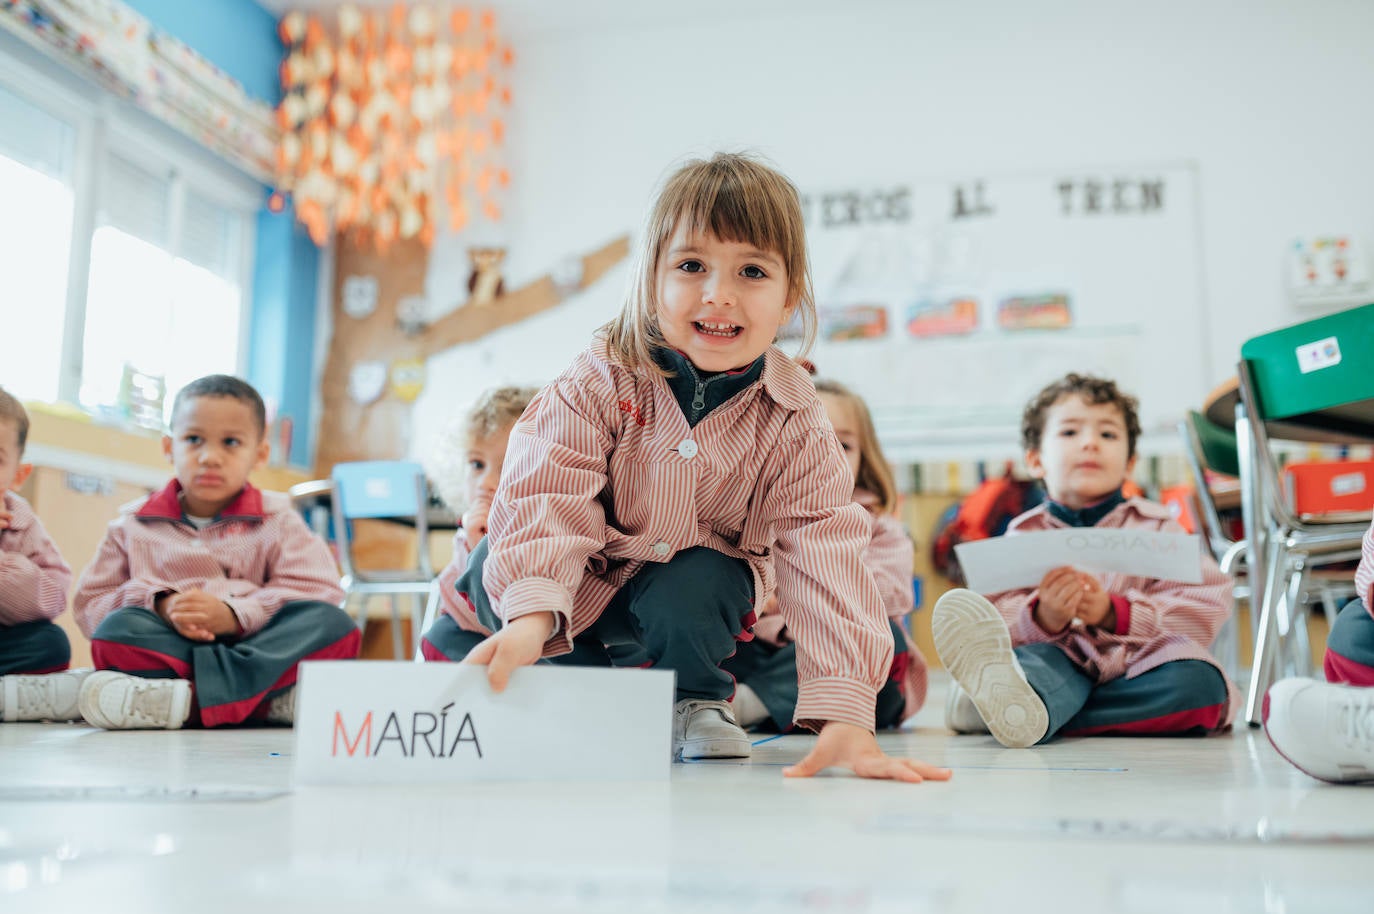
point(1121, 245)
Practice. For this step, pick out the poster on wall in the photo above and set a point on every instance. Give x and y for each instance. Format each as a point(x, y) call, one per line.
point(1003, 283)
point(853, 322)
point(951, 315)
point(1047, 311)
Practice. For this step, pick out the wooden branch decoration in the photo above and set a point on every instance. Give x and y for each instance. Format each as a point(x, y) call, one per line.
point(467, 323)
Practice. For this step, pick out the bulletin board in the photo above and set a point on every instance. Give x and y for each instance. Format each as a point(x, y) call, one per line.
point(947, 303)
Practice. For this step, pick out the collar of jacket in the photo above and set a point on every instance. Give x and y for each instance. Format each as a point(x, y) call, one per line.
point(166, 504)
point(718, 387)
point(1084, 517)
point(783, 379)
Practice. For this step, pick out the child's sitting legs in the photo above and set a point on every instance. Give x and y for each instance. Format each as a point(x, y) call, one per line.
point(34, 681)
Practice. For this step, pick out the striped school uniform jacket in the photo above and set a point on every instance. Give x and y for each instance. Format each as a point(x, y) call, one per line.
point(34, 580)
point(891, 557)
point(1156, 621)
point(1364, 575)
point(256, 556)
point(603, 474)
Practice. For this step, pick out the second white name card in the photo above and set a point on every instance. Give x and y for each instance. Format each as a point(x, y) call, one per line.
point(1022, 559)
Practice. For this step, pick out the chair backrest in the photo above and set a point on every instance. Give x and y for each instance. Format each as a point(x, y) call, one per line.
point(1206, 450)
point(1318, 366)
point(1311, 381)
point(369, 489)
point(379, 488)
point(1216, 445)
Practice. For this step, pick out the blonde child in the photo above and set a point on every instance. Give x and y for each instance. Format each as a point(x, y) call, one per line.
point(204, 596)
point(480, 440)
point(651, 491)
point(766, 668)
point(1082, 654)
point(1326, 729)
point(34, 653)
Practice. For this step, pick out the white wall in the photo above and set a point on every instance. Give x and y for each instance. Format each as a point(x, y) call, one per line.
point(1269, 98)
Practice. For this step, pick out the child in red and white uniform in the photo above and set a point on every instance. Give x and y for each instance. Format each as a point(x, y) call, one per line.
point(205, 596)
point(35, 683)
point(481, 441)
point(1083, 654)
point(766, 667)
point(654, 493)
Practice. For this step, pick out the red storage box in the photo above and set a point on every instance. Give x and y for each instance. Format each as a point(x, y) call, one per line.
point(1321, 488)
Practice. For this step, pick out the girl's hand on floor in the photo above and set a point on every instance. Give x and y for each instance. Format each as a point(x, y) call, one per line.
point(847, 746)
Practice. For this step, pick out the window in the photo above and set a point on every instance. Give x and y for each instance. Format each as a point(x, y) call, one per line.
point(37, 153)
point(165, 293)
point(123, 246)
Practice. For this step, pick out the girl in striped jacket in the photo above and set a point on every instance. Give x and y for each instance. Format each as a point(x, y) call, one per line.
point(682, 469)
point(767, 666)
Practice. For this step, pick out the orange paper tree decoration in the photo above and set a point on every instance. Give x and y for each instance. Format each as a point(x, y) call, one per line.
point(393, 121)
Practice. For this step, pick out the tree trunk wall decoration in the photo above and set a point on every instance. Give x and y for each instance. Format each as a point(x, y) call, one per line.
point(377, 427)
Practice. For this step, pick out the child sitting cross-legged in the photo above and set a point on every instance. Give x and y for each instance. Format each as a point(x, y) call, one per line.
point(35, 683)
point(205, 596)
point(1086, 654)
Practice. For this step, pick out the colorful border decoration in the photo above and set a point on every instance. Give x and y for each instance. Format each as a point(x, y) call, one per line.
point(116, 45)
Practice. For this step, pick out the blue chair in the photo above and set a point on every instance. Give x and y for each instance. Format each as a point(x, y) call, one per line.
point(390, 490)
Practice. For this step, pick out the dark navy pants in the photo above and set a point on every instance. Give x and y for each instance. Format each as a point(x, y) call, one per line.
point(34, 647)
point(772, 673)
point(685, 615)
point(1350, 647)
point(1179, 697)
point(232, 678)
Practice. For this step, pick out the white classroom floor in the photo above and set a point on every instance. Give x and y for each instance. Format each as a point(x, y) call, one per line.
point(1131, 825)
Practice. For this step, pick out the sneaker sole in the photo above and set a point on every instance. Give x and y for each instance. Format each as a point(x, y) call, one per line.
point(975, 647)
point(714, 748)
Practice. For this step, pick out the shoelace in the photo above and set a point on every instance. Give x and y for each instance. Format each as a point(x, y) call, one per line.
point(34, 697)
point(137, 710)
point(1359, 722)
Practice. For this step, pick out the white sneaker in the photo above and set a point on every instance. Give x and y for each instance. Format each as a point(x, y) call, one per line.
point(281, 709)
point(45, 696)
point(118, 701)
point(975, 647)
point(1323, 729)
point(961, 714)
point(707, 729)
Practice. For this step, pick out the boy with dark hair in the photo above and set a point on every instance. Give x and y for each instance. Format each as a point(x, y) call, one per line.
point(1085, 654)
point(34, 681)
point(204, 597)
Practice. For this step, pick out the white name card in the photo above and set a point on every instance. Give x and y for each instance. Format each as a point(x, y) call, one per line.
point(396, 722)
point(1022, 559)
